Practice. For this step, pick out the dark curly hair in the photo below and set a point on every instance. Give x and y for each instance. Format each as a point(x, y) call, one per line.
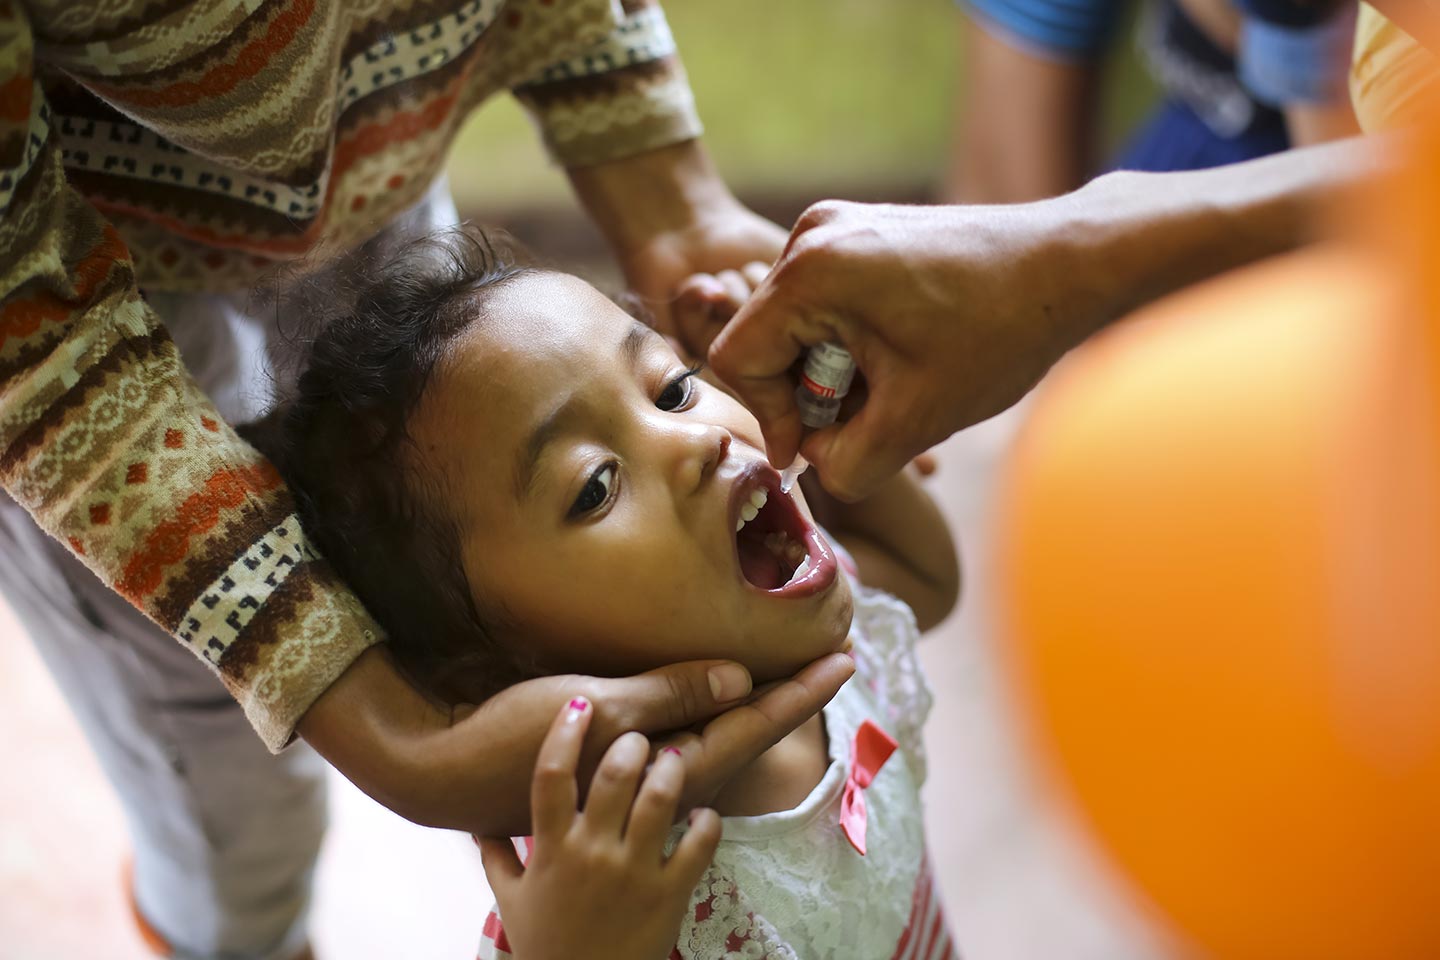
point(364, 494)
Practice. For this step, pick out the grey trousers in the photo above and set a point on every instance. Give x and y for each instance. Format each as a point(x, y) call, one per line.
point(225, 835)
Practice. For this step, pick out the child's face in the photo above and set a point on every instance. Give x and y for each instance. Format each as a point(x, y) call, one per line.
point(597, 491)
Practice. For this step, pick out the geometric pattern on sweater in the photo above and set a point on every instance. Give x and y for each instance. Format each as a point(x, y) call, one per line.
point(194, 145)
point(393, 105)
point(223, 610)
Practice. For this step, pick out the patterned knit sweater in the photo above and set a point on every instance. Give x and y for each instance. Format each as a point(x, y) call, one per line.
point(191, 145)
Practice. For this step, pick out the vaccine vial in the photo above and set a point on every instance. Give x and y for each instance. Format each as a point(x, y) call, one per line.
point(829, 369)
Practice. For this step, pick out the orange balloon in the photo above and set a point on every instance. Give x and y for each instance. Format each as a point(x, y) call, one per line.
point(1221, 557)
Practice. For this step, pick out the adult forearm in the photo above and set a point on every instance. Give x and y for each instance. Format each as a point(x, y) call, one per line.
point(1127, 238)
point(650, 194)
point(379, 731)
point(464, 770)
point(667, 216)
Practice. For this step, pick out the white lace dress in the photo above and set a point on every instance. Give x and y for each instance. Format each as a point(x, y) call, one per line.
point(791, 884)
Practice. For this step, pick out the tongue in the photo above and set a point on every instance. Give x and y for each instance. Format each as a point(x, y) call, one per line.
point(759, 565)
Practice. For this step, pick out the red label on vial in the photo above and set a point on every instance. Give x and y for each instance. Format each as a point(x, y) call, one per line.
point(824, 393)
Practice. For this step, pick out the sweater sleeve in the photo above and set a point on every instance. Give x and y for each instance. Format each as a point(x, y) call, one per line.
point(625, 94)
point(109, 444)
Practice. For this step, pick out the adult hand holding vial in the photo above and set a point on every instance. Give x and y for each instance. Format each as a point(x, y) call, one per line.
point(829, 371)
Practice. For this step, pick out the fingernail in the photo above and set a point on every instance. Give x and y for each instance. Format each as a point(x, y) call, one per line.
point(577, 708)
point(671, 750)
point(690, 818)
point(729, 681)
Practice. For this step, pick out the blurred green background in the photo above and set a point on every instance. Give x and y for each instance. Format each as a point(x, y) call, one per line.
point(801, 99)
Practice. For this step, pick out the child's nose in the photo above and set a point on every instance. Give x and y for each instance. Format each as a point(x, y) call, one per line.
point(699, 449)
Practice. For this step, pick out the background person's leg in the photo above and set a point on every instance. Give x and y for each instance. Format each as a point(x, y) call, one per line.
point(225, 836)
point(1027, 99)
point(1025, 128)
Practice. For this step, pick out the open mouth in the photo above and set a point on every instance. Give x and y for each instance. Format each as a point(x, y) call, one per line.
point(778, 549)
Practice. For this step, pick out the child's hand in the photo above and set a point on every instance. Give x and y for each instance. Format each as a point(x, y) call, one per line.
point(598, 884)
point(705, 302)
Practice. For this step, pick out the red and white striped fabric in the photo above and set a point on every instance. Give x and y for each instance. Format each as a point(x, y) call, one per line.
point(926, 936)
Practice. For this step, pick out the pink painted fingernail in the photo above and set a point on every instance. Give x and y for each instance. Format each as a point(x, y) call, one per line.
point(577, 708)
point(671, 750)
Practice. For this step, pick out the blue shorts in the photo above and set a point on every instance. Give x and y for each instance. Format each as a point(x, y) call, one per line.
point(1174, 137)
point(1290, 50)
point(1054, 29)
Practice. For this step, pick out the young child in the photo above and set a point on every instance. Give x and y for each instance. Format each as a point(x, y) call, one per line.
point(519, 478)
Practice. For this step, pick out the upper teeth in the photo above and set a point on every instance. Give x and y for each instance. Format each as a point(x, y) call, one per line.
point(751, 508)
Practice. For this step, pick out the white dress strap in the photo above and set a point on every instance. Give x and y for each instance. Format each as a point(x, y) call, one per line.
point(884, 634)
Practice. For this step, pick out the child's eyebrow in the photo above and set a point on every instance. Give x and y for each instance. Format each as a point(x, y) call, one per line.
point(557, 421)
point(634, 342)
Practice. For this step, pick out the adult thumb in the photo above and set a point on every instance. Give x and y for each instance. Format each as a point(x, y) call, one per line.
point(754, 354)
point(855, 456)
point(674, 696)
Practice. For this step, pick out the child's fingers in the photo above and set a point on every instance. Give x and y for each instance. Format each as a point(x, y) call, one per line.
point(701, 289)
point(553, 794)
point(737, 291)
point(755, 273)
point(695, 850)
point(612, 790)
point(698, 312)
point(655, 804)
point(502, 867)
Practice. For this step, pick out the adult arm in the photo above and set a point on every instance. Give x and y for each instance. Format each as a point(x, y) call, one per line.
point(954, 313)
point(621, 119)
point(107, 441)
point(111, 446)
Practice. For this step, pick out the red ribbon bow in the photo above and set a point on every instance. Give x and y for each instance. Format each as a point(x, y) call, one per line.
point(871, 748)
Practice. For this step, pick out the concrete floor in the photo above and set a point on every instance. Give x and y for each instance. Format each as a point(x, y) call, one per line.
point(1018, 885)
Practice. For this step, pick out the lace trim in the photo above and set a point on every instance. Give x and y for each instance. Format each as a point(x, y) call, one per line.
point(884, 633)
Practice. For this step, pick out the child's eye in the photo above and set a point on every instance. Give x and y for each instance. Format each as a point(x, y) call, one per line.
point(678, 392)
point(596, 492)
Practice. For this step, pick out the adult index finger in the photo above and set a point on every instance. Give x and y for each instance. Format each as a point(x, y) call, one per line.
point(738, 736)
point(754, 354)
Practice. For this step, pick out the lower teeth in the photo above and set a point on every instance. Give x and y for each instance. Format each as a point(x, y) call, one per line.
point(800, 570)
point(791, 552)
